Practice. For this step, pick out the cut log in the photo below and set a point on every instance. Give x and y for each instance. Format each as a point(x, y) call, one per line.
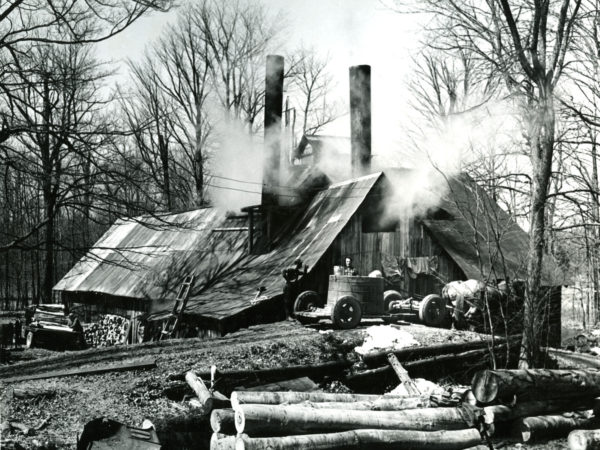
point(256, 419)
point(573, 359)
point(277, 398)
point(405, 380)
point(584, 440)
point(27, 431)
point(532, 428)
point(30, 392)
point(491, 385)
point(503, 413)
point(219, 441)
point(202, 392)
point(147, 363)
point(223, 421)
point(302, 384)
point(406, 354)
point(382, 404)
point(254, 377)
point(367, 439)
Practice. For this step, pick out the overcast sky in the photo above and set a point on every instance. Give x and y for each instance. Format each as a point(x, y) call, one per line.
point(351, 31)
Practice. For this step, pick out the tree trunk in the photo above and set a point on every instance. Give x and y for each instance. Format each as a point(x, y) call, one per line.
point(584, 440)
point(490, 385)
point(199, 157)
point(200, 389)
point(366, 439)
point(503, 413)
point(255, 419)
point(222, 421)
point(220, 441)
point(48, 196)
point(542, 146)
point(533, 428)
point(276, 398)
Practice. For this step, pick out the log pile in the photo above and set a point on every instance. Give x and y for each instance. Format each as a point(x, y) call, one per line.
point(529, 405)
point(109, 330)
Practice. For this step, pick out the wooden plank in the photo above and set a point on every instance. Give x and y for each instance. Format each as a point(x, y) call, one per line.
point(147, 363)
point(407, 382)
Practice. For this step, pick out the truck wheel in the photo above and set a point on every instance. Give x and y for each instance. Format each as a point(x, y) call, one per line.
point(305, 301)
point(29, 340)
point(390, 296)
point(346, 313)
point(432, 311)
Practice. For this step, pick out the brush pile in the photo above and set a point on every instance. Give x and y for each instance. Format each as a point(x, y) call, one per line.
point(109, 330)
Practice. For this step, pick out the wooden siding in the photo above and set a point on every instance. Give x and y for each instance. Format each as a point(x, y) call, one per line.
point(410, 239)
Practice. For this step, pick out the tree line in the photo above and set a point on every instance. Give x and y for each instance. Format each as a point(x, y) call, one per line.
point(76, 153)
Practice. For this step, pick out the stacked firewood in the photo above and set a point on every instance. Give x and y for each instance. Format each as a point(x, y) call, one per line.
point(109, 330)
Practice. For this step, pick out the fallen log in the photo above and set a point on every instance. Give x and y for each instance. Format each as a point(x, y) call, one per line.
point(406, 354)
point(574, 359)
point(367, 377)
point(219, 441)
point(532, 428)
point(491, 385)
point(30, 392)
point(262, 376)
point(200, 389)
point(302, 384)
point(148, 363)
point(256, 419)
point(366, 439)
point(222, 421)
point(277, 398)
point(584, 440)
point(382, 404)
point(504, 413)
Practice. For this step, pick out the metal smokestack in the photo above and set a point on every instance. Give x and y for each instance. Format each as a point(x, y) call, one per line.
point(360, 119)
point(272, 145)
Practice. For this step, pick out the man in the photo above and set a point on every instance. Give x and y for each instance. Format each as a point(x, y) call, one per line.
point(74, 323)
point(291, 289)
point(18, 331)
point(349, 269)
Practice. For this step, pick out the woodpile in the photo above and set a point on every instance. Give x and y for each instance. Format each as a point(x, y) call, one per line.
point(109, 330)
point(521, 403)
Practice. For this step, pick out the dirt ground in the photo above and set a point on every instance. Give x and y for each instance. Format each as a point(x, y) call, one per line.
point(130, 397)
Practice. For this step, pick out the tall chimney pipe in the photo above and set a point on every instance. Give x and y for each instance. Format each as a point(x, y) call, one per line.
point(360, 119)
point(272, 146)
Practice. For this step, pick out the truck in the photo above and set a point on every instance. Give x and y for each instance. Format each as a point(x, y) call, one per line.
point(352, 298)
point(46, 326)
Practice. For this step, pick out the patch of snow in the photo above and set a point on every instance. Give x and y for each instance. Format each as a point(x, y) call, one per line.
point(385, 337)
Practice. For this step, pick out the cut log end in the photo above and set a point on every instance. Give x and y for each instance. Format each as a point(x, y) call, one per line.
point(584, 439)
point(240, 420)
point(222, 421)
point(484, 386)
point(220, 441)
point(235, 403)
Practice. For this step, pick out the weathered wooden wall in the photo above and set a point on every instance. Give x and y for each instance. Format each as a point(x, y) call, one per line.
point(409, 239)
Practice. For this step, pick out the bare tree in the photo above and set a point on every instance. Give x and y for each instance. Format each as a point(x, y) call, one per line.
point(313, 83)
point(527, 44)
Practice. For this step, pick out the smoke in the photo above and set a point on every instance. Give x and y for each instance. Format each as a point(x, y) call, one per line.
point(236, 165)
point(460, 143)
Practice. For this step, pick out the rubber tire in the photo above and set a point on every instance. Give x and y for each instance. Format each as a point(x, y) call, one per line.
point(390, 296)
point(29, 339)
point(345, 304)
point(306, 300)
point(432, 311)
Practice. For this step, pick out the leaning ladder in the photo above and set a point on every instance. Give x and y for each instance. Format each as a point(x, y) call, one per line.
point(178, 307)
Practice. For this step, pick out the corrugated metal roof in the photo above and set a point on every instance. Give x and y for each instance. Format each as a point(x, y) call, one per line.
point(308, 238)
point(479, 235)
point(135, 256)
point(147, 258)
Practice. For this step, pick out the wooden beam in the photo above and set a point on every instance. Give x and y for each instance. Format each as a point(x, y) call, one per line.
point(147, 363)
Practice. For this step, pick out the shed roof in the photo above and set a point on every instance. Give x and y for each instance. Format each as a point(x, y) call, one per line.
point(476, 232)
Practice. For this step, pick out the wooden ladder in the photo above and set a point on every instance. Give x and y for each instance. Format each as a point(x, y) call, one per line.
point(178, 307)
